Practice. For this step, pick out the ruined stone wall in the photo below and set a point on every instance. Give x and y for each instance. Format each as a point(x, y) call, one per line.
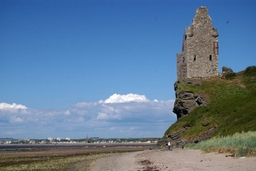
point(182, 61)
point(182, 64)
point(199, 56)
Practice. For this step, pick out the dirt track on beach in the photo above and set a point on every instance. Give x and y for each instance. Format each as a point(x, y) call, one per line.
point(176, 160)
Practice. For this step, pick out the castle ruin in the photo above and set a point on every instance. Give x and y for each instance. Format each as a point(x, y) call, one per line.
point(199, 56)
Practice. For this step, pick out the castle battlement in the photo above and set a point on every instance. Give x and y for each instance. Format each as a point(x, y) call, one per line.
point(199, 56)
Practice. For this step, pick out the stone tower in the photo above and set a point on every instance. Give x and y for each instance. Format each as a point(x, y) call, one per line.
point(199, 56)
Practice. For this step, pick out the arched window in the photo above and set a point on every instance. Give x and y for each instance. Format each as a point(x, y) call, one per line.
point(210, 57)
point(194, 57)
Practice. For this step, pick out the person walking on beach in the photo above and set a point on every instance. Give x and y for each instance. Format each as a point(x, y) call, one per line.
point(169, 145)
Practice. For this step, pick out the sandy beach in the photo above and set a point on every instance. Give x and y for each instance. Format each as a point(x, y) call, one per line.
point(177, 159)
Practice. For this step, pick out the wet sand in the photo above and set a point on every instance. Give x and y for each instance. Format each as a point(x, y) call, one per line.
point(176, 160)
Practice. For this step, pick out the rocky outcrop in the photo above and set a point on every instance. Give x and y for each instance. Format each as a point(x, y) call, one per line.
point(176, 140)
point(226, 71)
point(186, 101)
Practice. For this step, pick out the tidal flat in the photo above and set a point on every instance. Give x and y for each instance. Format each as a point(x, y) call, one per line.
point(65, 158)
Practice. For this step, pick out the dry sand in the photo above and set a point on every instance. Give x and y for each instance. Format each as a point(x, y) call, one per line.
point(176, 160)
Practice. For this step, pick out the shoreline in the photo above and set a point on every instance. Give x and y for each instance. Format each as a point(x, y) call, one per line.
point(58, 158)
point(177, 159)
point(13, 147)
point(129, 158)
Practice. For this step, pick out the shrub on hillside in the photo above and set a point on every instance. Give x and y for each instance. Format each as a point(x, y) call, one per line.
point(250, 78)
point(250, 71)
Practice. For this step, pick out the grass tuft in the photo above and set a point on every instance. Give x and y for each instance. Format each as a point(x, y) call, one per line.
point(240, 144)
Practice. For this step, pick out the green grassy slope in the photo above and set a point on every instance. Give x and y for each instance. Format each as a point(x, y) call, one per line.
point(232, 108)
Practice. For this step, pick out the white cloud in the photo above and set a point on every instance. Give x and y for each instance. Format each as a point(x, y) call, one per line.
point(102, 116)
point(15, 119)
point(67, 112)
point(136, 111)
point(117, 98)
point(122, 115)
point(109, 116)
point(6, 106)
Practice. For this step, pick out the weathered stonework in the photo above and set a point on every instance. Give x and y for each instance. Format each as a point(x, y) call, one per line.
point(199, 56)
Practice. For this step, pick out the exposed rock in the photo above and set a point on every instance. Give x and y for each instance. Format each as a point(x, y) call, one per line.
point(225, 71)
point(174, 138)
point(177, 141)
point(186, 101)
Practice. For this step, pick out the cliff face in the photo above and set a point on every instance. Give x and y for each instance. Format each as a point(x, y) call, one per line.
point(186, 101)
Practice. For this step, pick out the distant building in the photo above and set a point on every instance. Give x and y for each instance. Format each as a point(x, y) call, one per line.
point(32, 142)
point(199, 56)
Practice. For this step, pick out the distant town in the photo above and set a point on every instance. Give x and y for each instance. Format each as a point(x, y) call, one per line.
point(95, 140)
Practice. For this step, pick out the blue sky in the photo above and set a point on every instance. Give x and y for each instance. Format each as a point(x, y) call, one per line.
point(104, 68)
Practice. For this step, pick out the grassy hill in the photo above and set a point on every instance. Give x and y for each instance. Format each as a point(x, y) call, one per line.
point(232, 108)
